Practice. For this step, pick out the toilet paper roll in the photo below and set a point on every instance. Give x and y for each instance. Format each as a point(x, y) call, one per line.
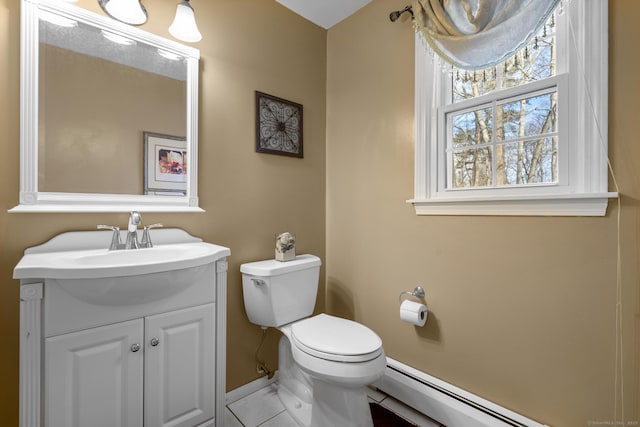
point(413, 312)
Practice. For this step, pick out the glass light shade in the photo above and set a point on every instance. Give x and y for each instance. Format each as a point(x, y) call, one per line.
point(127, 11)
point(184, 24)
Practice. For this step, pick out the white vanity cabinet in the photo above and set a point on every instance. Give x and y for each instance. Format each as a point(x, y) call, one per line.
point(95, 377)
point(179, 374)
point(134, 350)
point(102, 376)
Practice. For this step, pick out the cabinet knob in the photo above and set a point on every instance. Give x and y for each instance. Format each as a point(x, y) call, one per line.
point(135, 347)
point(154, 342)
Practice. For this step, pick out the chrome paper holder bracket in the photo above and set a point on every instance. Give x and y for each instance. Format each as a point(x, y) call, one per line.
point(418, 292)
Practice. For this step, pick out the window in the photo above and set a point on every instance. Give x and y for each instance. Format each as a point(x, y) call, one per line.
point(527, 137)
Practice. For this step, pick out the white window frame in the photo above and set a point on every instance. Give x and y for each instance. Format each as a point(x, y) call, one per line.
point(556, 84)
point(582, 82)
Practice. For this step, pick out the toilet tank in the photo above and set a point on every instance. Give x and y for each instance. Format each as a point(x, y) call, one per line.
point(276, 293)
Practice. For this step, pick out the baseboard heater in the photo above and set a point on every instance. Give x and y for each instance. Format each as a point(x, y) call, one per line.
point(444, 402)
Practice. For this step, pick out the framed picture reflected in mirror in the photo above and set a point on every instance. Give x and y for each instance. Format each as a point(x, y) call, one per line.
point(165, 164)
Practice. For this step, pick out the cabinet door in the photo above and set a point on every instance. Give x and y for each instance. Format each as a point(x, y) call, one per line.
point(179, 367)
point(94, 377)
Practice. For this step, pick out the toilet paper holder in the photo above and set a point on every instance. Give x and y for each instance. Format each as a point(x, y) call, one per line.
point(418, 292)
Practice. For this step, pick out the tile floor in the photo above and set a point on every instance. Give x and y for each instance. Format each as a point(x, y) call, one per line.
point(263, 408)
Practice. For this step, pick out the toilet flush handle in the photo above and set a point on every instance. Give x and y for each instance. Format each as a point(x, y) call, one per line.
point(258, 282)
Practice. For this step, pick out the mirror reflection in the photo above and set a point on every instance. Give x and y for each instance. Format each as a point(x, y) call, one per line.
point(109, 115)
point(99, 93)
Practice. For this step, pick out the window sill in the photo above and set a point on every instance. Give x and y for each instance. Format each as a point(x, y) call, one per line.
point(589, 204)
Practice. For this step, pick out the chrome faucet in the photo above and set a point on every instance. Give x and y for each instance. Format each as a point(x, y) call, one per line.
point(132, 234)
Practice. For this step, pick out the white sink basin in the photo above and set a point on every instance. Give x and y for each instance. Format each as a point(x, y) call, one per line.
point(100, 263)
point(77, 266)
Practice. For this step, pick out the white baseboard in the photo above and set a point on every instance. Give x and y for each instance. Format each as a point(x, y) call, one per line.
point(444, 402)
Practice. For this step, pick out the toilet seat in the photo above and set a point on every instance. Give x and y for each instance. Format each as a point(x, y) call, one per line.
point(336, 339)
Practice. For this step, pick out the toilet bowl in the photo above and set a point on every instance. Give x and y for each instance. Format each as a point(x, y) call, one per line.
point(340, 358)
point(325, 362)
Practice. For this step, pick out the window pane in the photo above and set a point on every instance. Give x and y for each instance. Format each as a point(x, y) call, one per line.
point(527, 162)
point(471, 128)
point(524, 148)
point(536, 61)
point(472, 168)
point(528, 117)
point(470, 84)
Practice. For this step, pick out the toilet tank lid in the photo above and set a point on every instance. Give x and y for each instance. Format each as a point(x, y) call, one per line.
point(271, 267)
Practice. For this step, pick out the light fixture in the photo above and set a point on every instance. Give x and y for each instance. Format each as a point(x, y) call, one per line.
point(184, 24)
point(127, 11)
point(132, 12)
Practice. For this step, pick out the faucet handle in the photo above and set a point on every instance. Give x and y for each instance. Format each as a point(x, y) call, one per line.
point(107, 227)
point(146, 235)
point(115, 239)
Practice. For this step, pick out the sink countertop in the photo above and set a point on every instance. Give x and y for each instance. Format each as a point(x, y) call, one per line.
point(84, 255)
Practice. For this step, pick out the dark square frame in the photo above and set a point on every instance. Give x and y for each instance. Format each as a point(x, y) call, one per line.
point(278, 126)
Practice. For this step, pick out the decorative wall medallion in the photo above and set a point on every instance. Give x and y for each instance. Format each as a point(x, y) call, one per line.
point(278, 126)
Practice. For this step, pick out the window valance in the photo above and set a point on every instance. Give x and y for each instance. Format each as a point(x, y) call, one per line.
point(476, 34)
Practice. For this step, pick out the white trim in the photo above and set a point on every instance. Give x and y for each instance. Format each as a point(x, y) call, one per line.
point(505, 96)
point(562, 205)
point(72, 202)
point(30, 354)
point(71, 208)
point(445, 402)
point(221, 340)
point(556, 84)
point(31, 200)
point(582, 188)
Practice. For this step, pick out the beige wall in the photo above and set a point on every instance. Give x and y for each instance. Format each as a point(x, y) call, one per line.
point(247, 45)
point(526, 322)
point(522, 309)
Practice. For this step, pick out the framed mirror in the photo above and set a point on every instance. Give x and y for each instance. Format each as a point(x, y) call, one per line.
point(108, 115)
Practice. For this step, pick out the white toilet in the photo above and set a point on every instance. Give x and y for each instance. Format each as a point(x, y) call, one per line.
point(325, 362)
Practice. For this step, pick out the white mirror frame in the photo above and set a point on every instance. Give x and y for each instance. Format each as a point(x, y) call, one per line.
point(32, 200)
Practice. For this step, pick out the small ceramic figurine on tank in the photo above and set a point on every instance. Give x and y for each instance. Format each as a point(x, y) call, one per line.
point(285, 246)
